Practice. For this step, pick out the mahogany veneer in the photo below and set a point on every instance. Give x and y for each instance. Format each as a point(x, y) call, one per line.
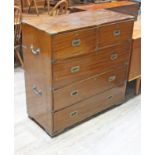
point(75, 66)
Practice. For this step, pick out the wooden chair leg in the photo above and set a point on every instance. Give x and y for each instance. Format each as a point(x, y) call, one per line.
point(35, 4)
point(30, 4)
point(45, 3)
point(21, 3)
point(138, 85)
point(19, 57)
point(48, 5)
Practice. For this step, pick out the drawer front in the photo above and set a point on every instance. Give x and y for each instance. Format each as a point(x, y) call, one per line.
point(78, 112)
point(75, 43)
point(69, 71)
point(111, 34)
point(91, 86)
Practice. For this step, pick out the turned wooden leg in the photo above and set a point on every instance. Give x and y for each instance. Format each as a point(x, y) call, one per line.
point(21, 3)
point(30, 4)
point(138, 85)
point(36, 7)
point(19, 58)
point(48, 5)
point(45, 3)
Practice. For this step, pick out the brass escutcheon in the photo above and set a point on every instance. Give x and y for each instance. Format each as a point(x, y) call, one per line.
point(75, 69)
point(116, 33)
point(74, 113)
point(111, 78)
point(76, 42)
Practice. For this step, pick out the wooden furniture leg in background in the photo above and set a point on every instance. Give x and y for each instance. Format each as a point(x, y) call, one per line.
point(19, 58)
point(28, 2)
point(30, 6)
point(35, 5)
point(17, 33)
point(47, 3)
point(138, 81)
point(21, 3)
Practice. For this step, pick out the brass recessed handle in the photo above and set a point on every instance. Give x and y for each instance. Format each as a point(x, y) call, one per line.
point(34, 50)
point(74, 93)
point(112, 78)
point(116, 33)
point(75, 69)
point(73, 113)
point(36, 91)
point(76, 42)
point(114, 56)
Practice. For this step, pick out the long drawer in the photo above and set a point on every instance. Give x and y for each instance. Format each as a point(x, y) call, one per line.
point(113, 33)
point(68, 71)
point(74, 43)
point(78, 112)
point(93, 85)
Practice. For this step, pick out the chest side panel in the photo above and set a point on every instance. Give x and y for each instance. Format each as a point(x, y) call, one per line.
point(135, 62)
point(38, 75)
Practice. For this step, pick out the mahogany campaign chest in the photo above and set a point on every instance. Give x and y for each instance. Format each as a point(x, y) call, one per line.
point(75, 65)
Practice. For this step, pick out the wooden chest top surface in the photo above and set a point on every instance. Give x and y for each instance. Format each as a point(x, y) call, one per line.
point(63, 23)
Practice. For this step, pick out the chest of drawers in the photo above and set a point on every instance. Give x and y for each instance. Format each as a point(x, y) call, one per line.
point(75, 66)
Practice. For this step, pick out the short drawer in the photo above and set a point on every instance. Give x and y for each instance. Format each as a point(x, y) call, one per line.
point(93, 85)
point(113, 33)
point(74, 43)
point(78, 112)
point(69, 71)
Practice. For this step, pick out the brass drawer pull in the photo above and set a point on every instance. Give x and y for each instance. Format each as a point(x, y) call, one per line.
point(75, 69)
point(111, 78)
point(74, 113)
point(114, 56)
point(34, 51)
point(116, 33)
point(109, 97)
point(74, 93)
point(36, 91)
point(76, 42)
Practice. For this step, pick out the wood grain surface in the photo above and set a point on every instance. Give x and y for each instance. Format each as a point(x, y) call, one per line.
point(93, 85)
point(75, 21)
point(87, 108)
point(69, 63)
